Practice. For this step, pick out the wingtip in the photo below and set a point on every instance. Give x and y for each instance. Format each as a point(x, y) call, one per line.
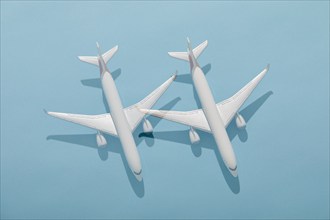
point(45, 111)
point(267, 67)
point(175, 74)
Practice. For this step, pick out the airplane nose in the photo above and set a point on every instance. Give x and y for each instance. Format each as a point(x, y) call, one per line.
point(233, 171)
point(138, 175)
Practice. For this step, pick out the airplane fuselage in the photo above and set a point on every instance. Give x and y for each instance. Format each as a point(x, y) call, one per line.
point(213, 116)
point(120, 121)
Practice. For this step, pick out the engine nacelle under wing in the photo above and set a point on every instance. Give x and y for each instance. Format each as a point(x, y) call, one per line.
point(100, 140)
point(194, 137)
point(240, 122)
point(147, 127)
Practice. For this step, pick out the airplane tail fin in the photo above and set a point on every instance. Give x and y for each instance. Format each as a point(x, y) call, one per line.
point(94, 59)
point(185, 56)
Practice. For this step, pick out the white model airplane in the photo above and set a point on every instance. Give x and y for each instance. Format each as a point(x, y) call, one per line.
point(212, 117)
point(122, 121)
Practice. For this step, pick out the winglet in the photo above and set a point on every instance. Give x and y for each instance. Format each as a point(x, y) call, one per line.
point(45, 111)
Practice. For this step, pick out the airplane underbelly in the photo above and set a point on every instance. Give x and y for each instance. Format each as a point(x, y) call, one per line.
point(120, 121)
point(213, 117)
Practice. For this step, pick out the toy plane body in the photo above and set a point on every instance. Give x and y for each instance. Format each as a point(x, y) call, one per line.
point(211, 117)
point(122, 121)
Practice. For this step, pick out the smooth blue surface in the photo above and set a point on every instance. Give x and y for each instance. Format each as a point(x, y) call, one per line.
point(283, 159)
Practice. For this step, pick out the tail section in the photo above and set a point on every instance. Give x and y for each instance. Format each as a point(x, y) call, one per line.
point(108, 55)
point(179, 55)
point(199, 49)
point(94, 59)
point(185, 55)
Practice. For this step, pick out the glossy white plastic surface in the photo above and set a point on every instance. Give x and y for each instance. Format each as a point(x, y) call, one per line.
point(101, 122)
point(193, 136)
point(227, 108)
point(94, 59)
point(240, 122)
point(122, 122)
point(147, 127)
point(230, 106)
point(212, 117)
point(100, 140)
point(185, 55)
point(134, 115)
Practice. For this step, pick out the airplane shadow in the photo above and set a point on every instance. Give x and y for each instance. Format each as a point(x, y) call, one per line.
point(207, 140)
point(186, 78)
point(114, 146)
point(96, 83)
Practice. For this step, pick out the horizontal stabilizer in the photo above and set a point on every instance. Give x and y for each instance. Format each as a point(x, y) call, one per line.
point(185, 56)
point(89, 59)
point(94, 59)
point(108, 55)
point(199, 49)
point(179, 55)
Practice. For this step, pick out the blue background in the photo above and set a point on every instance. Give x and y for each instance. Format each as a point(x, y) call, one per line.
point(53, 169)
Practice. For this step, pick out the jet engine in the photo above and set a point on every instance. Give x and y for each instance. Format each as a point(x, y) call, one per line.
point(194, 137)
point(240, 122)
point(147, 127)
point(100, 140)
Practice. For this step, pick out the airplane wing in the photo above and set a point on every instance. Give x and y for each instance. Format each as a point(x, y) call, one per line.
point(101, 122)
point(227, 108)
point(104, 122)
point(134, 115)
point(194, 118)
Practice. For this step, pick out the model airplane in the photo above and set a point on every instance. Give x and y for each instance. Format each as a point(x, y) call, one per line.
point(212, 117)
point(122, 121)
